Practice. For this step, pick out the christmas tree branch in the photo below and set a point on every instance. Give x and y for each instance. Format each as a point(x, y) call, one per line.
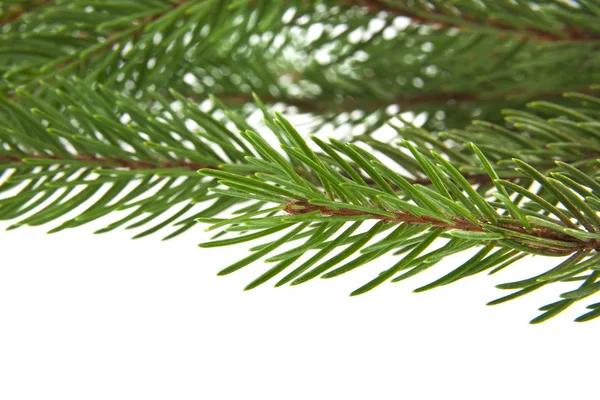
point(110, 44)
point(559, 219)
point(461, 20)
point(57, 158)
point(75, 151)
point(107, 108)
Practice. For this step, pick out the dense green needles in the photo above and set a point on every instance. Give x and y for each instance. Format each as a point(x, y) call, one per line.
point(144, 113)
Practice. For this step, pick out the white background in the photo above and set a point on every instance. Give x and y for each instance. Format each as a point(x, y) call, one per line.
point(88, 316)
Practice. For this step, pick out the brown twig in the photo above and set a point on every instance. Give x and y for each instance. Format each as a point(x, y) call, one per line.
point(298, 207)
point(119, 162)
point(405, 102)
point(16, 12)
point(480, 179)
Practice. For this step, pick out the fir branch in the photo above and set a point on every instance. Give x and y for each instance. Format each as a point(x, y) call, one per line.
point(94, 48)
point(564, 221)
point(76, 150)
point(430, 15)
point(128, 136)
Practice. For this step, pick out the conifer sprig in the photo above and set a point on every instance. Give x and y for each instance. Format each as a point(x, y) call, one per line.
point(549, 21)
point(450, 58)
point(559, 219)
point(55, 159)
point(107, 108)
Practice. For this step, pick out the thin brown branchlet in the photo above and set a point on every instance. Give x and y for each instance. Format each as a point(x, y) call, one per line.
point(115, 161)
point(298, 207)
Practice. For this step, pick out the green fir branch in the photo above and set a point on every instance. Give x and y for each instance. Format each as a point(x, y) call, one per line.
point(109, 108)
point(565, 225)
point(232, 48)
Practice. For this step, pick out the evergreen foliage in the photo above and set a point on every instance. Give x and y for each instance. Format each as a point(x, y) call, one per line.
point(111, 108)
